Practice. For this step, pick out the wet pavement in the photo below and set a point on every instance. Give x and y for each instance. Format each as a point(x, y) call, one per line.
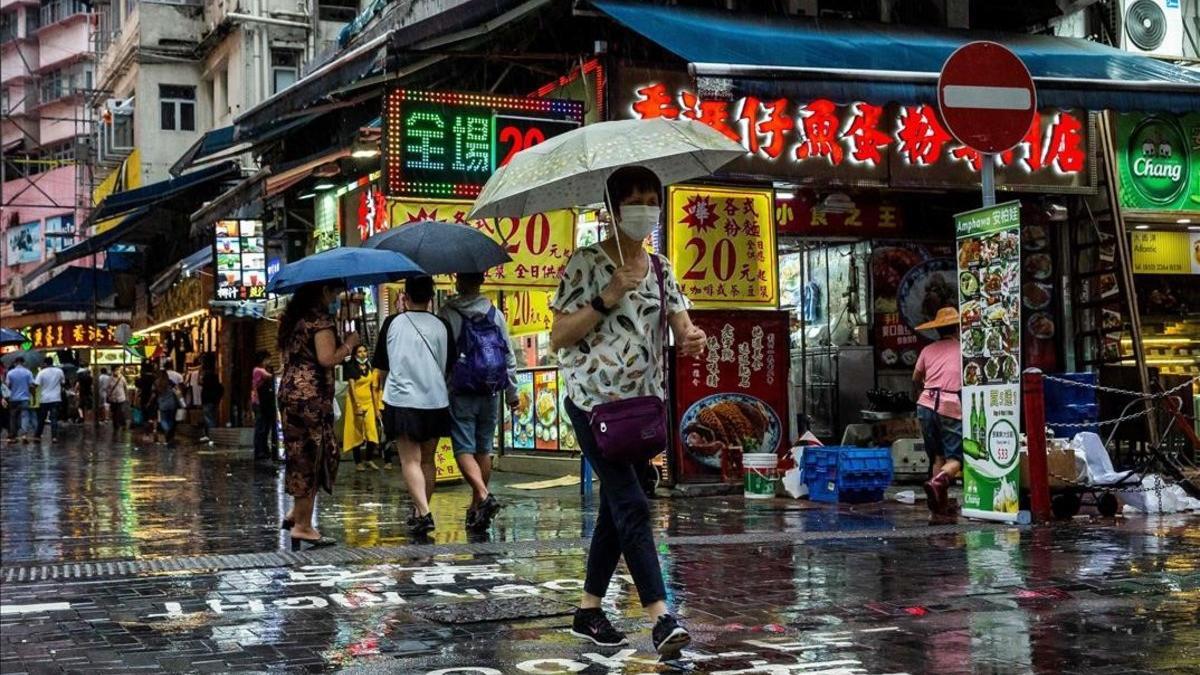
point(118, 559)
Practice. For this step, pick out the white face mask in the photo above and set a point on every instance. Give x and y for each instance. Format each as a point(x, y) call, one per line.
point(637, 222)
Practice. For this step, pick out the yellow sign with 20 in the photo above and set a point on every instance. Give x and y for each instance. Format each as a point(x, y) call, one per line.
point(722, 244)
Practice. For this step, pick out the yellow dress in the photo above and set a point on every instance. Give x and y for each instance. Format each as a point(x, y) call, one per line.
point(361, 412)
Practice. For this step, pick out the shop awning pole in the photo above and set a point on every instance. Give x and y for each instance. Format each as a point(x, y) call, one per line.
point(97, 403)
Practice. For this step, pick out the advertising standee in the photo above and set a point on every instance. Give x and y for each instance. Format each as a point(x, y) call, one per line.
point(989, 269)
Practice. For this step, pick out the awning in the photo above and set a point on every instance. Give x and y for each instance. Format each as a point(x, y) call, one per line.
point(287, 177)
point(227, 142)
point(188, 265)
point(401, 28)
point(71, 290)
point(243, 200)
point(856, 61)
point(123, 202)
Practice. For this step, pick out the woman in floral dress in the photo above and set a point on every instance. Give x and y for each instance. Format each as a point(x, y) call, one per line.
point(308, 344)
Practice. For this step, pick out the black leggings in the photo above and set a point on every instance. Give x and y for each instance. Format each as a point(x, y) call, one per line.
point(622, 522)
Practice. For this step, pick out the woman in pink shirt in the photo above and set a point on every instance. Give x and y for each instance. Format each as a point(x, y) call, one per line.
point(938, 377)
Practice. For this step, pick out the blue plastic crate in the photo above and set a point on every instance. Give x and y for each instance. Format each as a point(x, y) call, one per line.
point(846, 474)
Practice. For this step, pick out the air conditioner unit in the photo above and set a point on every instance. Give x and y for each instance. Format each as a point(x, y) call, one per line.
point(1152, 27)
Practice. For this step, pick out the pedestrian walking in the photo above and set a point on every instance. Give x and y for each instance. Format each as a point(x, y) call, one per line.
point(20, 385)
point(608, 310)
point(104, 383)
point(4, 394)
point(262, 402)
point(485, 367)
point(937, 379)
point(146, 401)
point(211, 393)
point(85, 393)
point(117, 397)
point(308, 343)
point(360, 427)
point(168, 403)
point(50, 383)
point(414, 349)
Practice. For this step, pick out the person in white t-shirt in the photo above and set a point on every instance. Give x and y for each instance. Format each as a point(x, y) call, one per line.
point(49, 383)
point(105, 383)
point(414, 350)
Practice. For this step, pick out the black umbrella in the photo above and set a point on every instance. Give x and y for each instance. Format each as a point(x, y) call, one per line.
point(442, 248)
point(33, 359)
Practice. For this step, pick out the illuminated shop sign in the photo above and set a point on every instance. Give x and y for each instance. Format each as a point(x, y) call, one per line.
point(64, 334)
point(862, 143)
point(438, 144)
point(241, 260)
point(1157, 158)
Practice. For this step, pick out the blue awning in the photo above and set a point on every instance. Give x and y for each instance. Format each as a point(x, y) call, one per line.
point(858, 61)
point(95, 244)
point(71, 290)
point(129, 200)
point(230, 141)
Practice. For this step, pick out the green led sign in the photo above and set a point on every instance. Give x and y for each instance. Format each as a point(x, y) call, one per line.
point(438, 144)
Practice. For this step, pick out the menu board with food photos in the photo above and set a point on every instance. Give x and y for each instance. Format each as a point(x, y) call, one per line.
point(1038, 292)
point(240, 258)
point(545, 409)
point(523, 432)
point(910, 283)
point(989, 283)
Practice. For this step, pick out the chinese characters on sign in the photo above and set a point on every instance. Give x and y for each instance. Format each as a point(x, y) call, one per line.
point(440, 144)
point(722, 244)
point(1166, 252)
point(989, 269)
point(820, 141)
point(804, 214)
point(241, 260)
point(527, 312)
point(539, 244)
point(71, 334)
point(733, 398)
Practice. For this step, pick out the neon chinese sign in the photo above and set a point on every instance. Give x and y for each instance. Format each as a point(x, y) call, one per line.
point(863, 143)
point(438, 144)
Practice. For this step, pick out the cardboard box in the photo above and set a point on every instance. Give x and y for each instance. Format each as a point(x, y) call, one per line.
point(1059, 462)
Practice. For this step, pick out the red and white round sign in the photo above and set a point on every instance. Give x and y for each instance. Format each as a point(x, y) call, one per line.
point(986, 97)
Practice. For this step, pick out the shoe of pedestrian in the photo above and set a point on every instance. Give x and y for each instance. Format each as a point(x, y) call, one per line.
point(359, 468)
point(937, 491)
point(591, 624)
point(487, 510)
point(388, 466)
point(472, 518)
point(372, 465)
point(422, 525)
point(302, 544)
point(669, 638)
point(203, 439)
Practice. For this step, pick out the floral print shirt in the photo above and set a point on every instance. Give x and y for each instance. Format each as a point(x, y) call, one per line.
point(623, 355)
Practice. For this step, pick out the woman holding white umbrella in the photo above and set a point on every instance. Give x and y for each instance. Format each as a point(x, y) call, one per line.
point(614, 306)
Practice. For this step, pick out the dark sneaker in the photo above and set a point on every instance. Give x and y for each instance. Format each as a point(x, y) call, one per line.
point(591, 624)
point(412, 518)
point(669, 638)
point(471, 518)
point(422, 525)
point(487, 510)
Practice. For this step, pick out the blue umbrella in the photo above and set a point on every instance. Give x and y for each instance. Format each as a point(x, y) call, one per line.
point(442, 248)
point(352, 266)
point(9, 336)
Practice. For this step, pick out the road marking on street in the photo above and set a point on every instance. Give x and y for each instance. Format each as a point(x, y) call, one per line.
point(34, 609)
point(992, 98)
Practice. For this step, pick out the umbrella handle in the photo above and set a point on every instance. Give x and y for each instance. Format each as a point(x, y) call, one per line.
point(612, 221)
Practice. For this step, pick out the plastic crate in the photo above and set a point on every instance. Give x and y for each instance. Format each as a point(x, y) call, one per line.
point(845, 474)
point(1066, 404)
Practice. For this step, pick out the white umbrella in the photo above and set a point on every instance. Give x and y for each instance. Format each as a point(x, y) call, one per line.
point(571, 169)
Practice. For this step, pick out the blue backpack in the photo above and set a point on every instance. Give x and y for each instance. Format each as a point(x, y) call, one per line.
point(482, 366)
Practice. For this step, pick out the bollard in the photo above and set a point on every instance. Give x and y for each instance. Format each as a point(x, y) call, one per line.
point(1035, 442)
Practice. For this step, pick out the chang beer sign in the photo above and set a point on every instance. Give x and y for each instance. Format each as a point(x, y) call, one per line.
point(1157, 158)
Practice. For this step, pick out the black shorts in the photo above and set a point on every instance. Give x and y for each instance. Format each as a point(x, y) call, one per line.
point(416, 424)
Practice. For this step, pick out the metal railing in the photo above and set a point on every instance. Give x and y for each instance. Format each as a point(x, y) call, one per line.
point(61, 9)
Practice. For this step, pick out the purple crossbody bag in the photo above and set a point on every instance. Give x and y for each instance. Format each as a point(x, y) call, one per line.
point(634, 430)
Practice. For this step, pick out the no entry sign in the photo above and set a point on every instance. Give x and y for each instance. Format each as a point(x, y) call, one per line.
point(986, 97)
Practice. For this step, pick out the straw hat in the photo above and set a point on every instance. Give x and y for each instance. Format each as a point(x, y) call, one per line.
point(946, 316)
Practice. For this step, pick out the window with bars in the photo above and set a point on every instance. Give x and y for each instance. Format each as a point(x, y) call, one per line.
point(177, 104)
point(64, 82)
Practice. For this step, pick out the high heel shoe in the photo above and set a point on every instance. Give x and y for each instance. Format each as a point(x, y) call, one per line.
point(287, 524)
point(323, 542)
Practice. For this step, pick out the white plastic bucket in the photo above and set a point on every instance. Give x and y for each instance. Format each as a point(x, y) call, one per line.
point(760, 469)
